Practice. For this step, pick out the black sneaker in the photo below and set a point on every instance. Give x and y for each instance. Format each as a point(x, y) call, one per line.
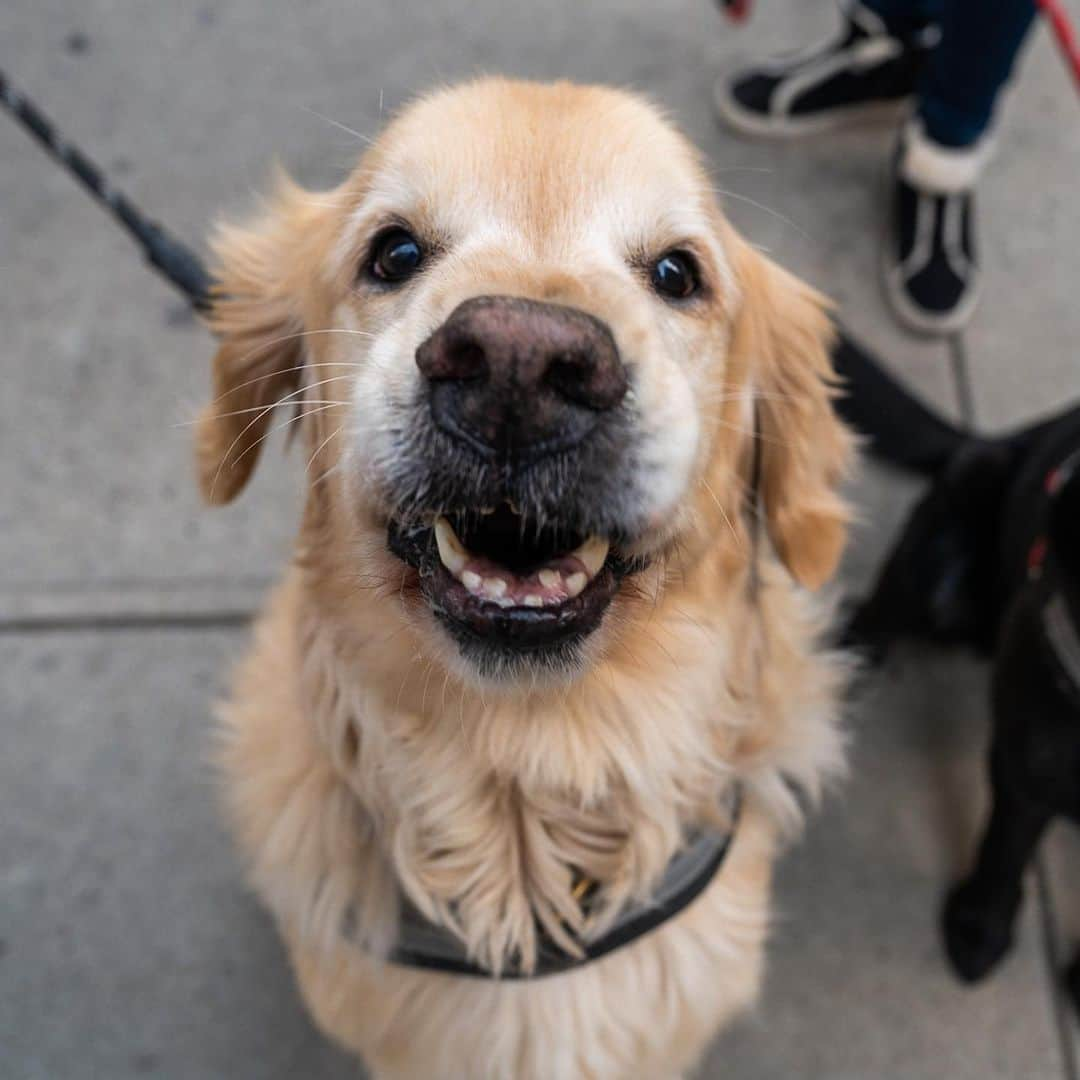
point(930, 270)
point(866, 73)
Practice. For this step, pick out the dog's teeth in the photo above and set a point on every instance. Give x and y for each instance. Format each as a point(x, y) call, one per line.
point(532, 600)
point(575, 583)
point(504, 602)
point(549, 578)
point(471, 581)
point(494, 587)
point(592, 554)
point(451, 551)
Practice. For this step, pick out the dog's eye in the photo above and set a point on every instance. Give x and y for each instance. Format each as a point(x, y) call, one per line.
point(396, 255)
point(675, 275)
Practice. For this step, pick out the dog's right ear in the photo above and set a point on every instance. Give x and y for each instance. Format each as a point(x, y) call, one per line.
point(257, 314)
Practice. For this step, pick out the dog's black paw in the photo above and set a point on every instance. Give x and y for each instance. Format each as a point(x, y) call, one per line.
point(978, 930)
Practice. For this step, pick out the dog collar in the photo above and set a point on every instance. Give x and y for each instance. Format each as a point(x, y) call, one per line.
point(424, 944)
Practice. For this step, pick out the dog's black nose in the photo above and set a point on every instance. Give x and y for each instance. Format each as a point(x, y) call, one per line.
point(519, 378)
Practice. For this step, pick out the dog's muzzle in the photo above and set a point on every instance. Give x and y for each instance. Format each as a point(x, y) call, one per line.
point(517, 481)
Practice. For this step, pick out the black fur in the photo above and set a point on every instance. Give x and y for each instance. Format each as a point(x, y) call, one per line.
point(960, 574)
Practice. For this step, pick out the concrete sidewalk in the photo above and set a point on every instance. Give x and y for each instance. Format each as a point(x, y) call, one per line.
point(128, 945)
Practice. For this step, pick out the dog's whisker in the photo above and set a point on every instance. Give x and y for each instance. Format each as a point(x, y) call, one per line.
point(401, 687)
point(722, 396)
point(300, 365)
point(461, 717)
point(265, 411)
point(393, 634)
point(427, 681)
point(742, 429)
point(401, 596)
point(723, 513)
point(252, 409)
point(766, 209)
point(367, 140)
point(328, 472)
point(694, 620)
point(446, 682)
point(281, 427)
point(319, 449)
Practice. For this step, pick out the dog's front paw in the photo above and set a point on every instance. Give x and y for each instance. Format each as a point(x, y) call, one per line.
point(978, 929)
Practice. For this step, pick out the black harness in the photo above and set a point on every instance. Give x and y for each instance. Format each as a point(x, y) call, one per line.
point(424, 944)
point(421, 943)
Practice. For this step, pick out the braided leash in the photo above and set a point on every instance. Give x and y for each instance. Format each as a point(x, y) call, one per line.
point(177, 263)
point(1065, 34)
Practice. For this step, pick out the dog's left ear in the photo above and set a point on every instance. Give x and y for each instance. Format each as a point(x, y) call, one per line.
point(804, 448)
point(258, 319)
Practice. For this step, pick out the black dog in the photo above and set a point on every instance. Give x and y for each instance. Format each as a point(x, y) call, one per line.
point(990, 558)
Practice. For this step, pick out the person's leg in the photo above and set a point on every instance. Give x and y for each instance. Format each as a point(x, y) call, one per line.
point(900, 16)
point(931, 268)
point(869, 69)
point(978, 48)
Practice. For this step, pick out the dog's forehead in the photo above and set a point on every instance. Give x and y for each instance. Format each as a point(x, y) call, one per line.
point(541, 160)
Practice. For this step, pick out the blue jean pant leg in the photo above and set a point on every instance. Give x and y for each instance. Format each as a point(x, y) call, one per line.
point(980, 40)
point(900, 15)
point(979, 45)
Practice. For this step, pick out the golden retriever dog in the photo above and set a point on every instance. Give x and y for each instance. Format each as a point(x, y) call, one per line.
point(572, 471)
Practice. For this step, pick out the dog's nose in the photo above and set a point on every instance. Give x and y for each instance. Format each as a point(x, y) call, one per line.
point(520, 378)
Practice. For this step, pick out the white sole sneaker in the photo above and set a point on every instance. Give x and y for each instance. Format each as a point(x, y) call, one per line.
point(917, 319)
point(753, 124)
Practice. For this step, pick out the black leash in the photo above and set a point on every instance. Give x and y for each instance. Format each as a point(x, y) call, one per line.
point(177, 263)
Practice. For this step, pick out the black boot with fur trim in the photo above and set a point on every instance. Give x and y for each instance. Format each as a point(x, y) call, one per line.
point(930, 267)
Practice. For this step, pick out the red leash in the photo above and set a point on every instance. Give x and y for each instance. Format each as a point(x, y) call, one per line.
point(1064, 32)
point(736, 10)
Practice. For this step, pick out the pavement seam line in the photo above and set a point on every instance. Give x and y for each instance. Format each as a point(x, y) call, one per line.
point(122, 621)
point(963, 389)
point(1051, 948)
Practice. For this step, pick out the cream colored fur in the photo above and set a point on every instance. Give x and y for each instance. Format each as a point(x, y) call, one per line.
point(363, 759)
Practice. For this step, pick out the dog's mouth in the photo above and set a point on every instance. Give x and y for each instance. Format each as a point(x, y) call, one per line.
point(498, 581)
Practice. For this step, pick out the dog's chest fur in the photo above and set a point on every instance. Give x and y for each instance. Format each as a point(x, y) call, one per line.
point(490, 812)
point(343, 796)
